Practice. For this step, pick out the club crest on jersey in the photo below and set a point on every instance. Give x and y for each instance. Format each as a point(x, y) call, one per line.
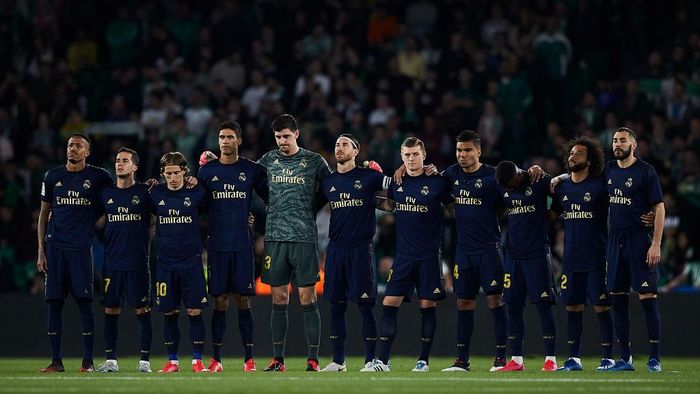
point(425, 191)
point(87, 184)
point(302, 163)
point(478, 183)
point(587, 197)
point(187, 202)
point(241, 177)
point(357, 185)
point(628, 182)
point(135, 200)
point(528, 191)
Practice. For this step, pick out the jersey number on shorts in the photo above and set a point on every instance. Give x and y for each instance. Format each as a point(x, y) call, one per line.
point(161, 289)
point(506, 281)
point(107, 280)
point(564, 279)
point(268, 261)
point(388, 275)
point(455, 272)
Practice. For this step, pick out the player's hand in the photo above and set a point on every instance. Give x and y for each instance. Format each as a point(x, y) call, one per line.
point(190, 181)
point(653, 255)
point(553, 183)
point(399, 173)
point(151, 182)
point(41, 262)
point(373, 165)
point(648, 218)
point(536, 173)
point(206, 157)
point(251, 221)
point(430, 169)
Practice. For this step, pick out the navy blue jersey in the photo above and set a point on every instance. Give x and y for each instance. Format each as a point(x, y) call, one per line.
point(127, 219)
point(476, 202)
point(526, 210)
point(177, 225)
point(633, 191)
point(74, 205)
point(584, 208)
point(351, 196)
point(419, 214)
point(230, 191)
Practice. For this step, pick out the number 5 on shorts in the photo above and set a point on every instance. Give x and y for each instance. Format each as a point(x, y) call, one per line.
point(506, 281)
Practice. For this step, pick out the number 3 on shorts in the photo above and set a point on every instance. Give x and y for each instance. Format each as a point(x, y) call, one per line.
point(268, 261)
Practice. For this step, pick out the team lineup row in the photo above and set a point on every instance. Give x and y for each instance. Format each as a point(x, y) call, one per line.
point(613, 221)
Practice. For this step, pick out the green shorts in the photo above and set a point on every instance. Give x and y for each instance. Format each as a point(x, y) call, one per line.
point(286, 262)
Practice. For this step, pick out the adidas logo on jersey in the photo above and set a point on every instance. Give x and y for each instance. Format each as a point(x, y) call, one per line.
point(332, 189)
point(277, 161)
point(204, 299)
point(456, 183)
point(58, 184)
point(215, 178)
point(544, 294)
point(609, 181)
point(400, 189)
point(645, 284)
point(144, 299)
point(494, 283)
point(506, 195)
point(250, 285)
point(364, 295)
point(565, 198)
point(436, 291)
point(110, 201)
point(161, 202)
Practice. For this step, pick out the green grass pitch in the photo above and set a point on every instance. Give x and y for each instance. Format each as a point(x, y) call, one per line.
point(680, 375)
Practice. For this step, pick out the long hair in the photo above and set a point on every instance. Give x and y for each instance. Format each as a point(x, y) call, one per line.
point(595, 154)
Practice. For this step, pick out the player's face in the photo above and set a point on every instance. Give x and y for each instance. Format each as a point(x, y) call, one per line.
point(286, 140)
point(623, 145)
point(124, 166)
point(344, 150)
point(412, 158)
point(578, 159)
point(228, 142)
point(174, 177)
point(467, 154)
point(78, 150)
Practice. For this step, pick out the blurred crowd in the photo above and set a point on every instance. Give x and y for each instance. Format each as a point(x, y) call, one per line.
point(160, 75)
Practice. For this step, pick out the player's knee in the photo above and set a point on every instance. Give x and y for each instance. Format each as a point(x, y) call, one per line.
point(194, 312)
point(466, 305)
point(392, 301)
point(601, 308)
point(575, 308)
point(307, 295)
point(428, 304)
point(494, 301)
point(646, 296)
point(221, 302)
point(242, 301)
point(172, 313)
point(113, 311)
point(280, 295)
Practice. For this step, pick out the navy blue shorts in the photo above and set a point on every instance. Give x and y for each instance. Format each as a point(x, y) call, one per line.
point(421, 274)
point(231, 272)
point(350, 274)
point(68, 272)
point(473, 271)
point(532, 277)
point(133, 286)
point(584, 287)
point(627, 263)
point(176, 286)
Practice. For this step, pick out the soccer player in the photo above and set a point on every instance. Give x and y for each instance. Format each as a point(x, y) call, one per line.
point(477, 203)
point(66, 226)
point(350, 264)
point(127, 217)
point(230, 182)
point(179, 272)
point(527, 263)
point(417, 263)
point(582, 201)
point(291, 250)
point(633, 248)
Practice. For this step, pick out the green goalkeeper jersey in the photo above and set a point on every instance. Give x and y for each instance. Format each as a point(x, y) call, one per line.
point(293, 181)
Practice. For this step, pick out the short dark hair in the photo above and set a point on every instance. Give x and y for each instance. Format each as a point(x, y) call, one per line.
point(173, 159)
point(83, 136)
point(352, 138)
point(469, 136)
point(594, 151)
point(628, 131)
point(134, 155)
point(505, 172)
point(232, 125)
point(411, 142)
point(284, 121)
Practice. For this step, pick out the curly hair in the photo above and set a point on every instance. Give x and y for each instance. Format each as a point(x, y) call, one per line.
point(594, 150)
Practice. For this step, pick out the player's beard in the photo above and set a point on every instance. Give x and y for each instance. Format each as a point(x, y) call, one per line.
point(73, 161)
point(578, 167)
point(623, 154)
